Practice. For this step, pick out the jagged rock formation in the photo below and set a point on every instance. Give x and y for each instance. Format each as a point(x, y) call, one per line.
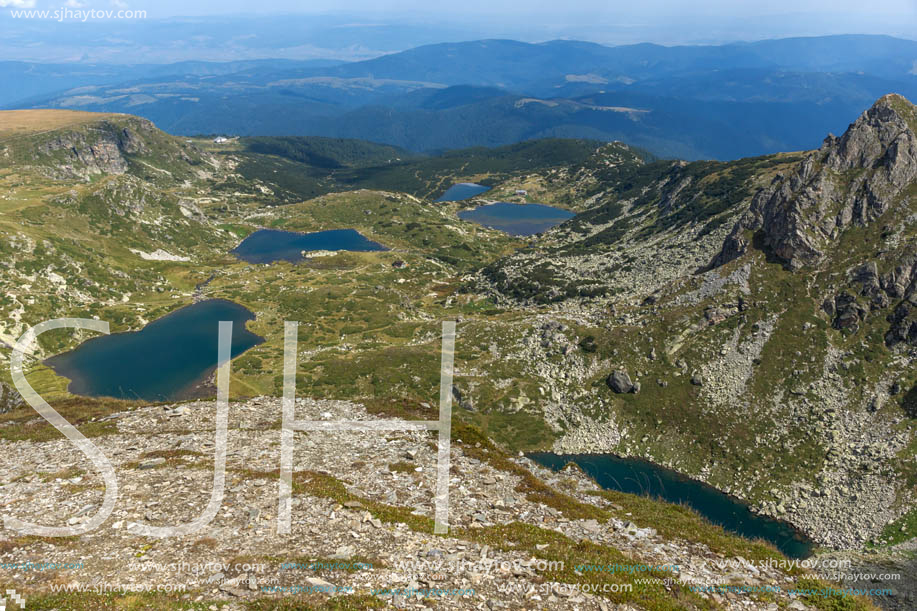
point(849, 181)
point(112, 145)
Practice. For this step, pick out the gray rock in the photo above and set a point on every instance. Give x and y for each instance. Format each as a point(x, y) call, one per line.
point(797, 212)
point(152, 463)
point(461, 399)
point(10, 399)
point(903, 325)
point(620, 382)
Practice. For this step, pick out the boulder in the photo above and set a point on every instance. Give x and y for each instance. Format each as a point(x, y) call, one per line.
point(620, 382)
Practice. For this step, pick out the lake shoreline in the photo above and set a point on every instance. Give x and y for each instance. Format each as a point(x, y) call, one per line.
point(517, 219)
point(80, 383)
point(266, 246)
point(805, 541)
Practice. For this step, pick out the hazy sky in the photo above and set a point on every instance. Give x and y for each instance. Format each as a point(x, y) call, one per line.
point(527, 9)
point(358, 29)
point(664, 21)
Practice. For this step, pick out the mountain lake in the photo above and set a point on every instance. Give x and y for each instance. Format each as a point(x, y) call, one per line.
point(269, 245)
point(169, 359)
point(645, 478)
point(517, 219)
point(462, 190)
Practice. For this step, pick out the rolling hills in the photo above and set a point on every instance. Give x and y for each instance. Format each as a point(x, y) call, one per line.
point(688, 102)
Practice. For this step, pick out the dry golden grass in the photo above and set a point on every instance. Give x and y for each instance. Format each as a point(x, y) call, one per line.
point(23, 122)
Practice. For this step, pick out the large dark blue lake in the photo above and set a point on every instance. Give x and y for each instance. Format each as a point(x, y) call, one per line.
point(462, 190)
point(642, 477)
point(268, 245)
point(168, 359)
point(517, 219)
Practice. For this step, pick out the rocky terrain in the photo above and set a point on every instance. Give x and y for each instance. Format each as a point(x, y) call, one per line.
point(787, 318)
point(358, 498)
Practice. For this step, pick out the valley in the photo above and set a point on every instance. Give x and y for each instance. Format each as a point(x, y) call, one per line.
point(749, 324)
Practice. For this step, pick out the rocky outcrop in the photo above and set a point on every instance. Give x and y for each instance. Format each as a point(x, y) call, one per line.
point(870, 292)
point(462, 399)
point(901, 283)
point(902, 280)
point(9, 398)
point(849, 181)
point(101, 150)
point(846, 312)
point(903, 324)
point(111, 145)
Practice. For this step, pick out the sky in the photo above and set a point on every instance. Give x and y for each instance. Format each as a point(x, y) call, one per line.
point(537, 10)
point(216, 30)
point(525, 9)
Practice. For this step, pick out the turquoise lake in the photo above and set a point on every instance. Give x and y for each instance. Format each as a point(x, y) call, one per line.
point(269, 245)
point(517, 219)
point(167, 360)
point(642, 477)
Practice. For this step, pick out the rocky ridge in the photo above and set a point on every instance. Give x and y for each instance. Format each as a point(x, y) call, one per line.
point(111, 146)
point(163, 456)
point(823, 341)
point(851, 180)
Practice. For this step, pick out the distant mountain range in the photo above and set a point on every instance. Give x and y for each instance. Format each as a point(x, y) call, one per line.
point(692, 102)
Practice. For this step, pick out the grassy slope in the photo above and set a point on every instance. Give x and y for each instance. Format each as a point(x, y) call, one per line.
point(14, 123)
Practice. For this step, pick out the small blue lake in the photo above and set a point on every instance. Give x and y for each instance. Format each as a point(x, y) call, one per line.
point(167, 360)
point(462, 190)
point(517, 219)
point(268, 245)
point(641, 477)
